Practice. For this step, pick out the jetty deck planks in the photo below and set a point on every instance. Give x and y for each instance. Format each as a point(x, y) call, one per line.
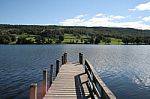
point(70, 83)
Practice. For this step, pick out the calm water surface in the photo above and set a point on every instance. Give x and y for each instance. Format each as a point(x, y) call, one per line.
point(125, 69)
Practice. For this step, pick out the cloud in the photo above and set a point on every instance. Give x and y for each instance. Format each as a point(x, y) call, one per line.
point(100, 14)
point(117, 17)
point(146, 19)
point(73, 22)
point(131, 9)
point(141, 7)
point(105, 21)
point(80, 16)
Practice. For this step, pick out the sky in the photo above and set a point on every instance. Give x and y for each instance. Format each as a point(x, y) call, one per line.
point(106, 13)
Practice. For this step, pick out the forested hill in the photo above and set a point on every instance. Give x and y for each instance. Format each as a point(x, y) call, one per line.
point(39, 34)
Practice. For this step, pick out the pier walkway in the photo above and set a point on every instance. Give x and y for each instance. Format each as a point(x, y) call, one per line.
point(70, 83)
point(73, 81)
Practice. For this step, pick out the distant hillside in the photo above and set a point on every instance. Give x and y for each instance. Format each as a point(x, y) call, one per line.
point(53, 32)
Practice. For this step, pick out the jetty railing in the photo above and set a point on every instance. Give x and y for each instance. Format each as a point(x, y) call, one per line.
point(97, 87)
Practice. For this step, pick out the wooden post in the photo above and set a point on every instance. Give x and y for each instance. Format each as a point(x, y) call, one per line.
point(57, 67)
point(33, 91)
point(62, 59)
point(51, 74)
point(44, 82)
point(65, 58)
point(80, 58)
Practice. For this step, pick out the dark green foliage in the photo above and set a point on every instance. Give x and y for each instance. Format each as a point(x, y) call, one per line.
point(40, 40)
point(125, 41)
point(86, 42)
point(94, 35)
point(61, 37)
point(97, 40)
point(5, 39)
point(23, 40)
point(106, 40)
point(58, 42)
point(92, 40)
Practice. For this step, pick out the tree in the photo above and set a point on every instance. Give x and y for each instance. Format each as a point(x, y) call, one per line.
point(61, 38)
point(58, 42)
point(85, 42)
point(5, 39)
point(97, 40)
point(23, 40)
point(81, 40)
point(40, 40)
point(92, 40)
point(138, 40)
point(13, 38)
point(108, 40)
point(125, 41)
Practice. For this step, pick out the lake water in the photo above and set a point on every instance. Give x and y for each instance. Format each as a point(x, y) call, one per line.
point(124, 69)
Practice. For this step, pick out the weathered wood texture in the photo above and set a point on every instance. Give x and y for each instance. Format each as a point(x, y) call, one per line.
point(71, 83)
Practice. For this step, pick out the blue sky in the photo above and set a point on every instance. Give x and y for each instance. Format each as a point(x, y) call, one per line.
point(108, 13)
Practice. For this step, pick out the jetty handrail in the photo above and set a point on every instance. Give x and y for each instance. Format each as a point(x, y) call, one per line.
point(96, 86)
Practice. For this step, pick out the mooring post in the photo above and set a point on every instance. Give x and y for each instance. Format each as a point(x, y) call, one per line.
point(33, 91)
point(80, 58)
point(65, 58)
point(51, 74)
point(44, 82)
point(57, 67)
point(62, 59)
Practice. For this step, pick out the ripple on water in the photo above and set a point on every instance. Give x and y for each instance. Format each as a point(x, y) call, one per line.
point(125, 69)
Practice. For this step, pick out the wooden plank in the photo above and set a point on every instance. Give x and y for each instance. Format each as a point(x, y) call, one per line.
point(71, 83)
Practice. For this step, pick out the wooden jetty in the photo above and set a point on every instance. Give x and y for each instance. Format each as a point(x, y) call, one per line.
point(73, 81)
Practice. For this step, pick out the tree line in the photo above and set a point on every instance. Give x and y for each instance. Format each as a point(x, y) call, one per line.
point(55, 34)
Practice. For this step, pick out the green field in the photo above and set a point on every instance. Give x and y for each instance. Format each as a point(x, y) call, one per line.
point(68, 39)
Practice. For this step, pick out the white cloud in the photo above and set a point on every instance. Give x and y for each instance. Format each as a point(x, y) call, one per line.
point(73, 22)
point(105, 21)
point(117, 17)
point(146, 19)
point(80, 16)
point(141, 7)
point(100, 14)
point(135, 24)
point(131, 9)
